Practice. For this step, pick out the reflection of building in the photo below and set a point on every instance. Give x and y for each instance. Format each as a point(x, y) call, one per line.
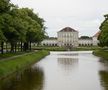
point(68, 37)
point(67, 63)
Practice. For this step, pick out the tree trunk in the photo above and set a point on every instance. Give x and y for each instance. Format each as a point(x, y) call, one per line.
point(12, 47)
point(6, 47)
point(2, 48)
point(18, 46)
point(30, 45)
point(15, 47)
point(26, 46)
point(21, 46)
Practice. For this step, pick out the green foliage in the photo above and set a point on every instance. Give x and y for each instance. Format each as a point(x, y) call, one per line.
point(84, 37)
point(103, 37)
point(4, 6)
point(19, 25)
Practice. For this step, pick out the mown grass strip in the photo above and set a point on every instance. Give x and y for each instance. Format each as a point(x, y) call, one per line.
point(101, 53)
point(49, 48)
point(10, 66)
point(7, 55)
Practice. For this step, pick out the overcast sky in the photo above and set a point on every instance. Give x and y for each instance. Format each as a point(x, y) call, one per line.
point(82, 15)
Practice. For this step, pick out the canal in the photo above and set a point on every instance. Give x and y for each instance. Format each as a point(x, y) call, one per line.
point(78, 70)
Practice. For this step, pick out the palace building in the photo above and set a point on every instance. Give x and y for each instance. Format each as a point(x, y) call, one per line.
point(68, 37)
point(95, 38)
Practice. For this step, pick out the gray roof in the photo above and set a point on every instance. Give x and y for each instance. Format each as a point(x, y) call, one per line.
point(68, 29)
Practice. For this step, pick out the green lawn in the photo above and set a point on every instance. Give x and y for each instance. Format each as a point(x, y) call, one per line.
point(87, 48)
point(49, 48)
point(64, 48)
point(7, 55)
point(10, 66)
point(101, 53)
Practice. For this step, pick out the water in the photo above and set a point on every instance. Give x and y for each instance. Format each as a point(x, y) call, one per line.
point(79, 70)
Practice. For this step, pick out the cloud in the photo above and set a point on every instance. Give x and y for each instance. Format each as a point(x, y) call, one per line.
point(83, 15)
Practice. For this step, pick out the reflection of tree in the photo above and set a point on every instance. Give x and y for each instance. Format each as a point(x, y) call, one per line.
point(67, 63)
point(104, 63)
point(30, 79)
point(104, 79)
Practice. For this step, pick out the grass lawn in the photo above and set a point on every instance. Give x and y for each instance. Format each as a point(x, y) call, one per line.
point(49, 48)
point(7, 55)
point(101, 53)
point(65, 49)
point(87, 48)
point(10, 66)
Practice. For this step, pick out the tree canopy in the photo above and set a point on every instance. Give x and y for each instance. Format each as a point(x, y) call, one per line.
point(103, 37)
point(19, 25)
point(84, 37)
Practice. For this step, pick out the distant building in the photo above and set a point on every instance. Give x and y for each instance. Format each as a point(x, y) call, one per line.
point(95, 38)
point(85, 42)
point(67, 37)
point(49, 42)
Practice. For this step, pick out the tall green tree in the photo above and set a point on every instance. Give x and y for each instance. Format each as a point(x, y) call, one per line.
point(19, 25)
point(35, 27)
point(4, 8)
point(103, 37)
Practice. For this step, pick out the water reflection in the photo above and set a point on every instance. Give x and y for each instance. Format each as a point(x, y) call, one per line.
point(104, 64)
point(104, 79)
point(30, 79)
point(69, 54)
point(62, 71)
point(103, 73)
point(68, 63)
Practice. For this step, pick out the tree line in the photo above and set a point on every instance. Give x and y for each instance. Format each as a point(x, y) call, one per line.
point(103, 37)
point(19, 27)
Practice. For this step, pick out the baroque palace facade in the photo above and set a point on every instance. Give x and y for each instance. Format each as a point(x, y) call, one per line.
point(68, 37)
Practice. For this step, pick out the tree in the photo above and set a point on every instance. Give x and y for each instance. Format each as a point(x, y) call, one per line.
point(103, 37)
point(19, 25)
point(35, 28)
point(4, 8)
point(84, 37)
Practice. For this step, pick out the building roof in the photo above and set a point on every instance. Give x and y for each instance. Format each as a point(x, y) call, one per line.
point(68, 29)
point(97, 34)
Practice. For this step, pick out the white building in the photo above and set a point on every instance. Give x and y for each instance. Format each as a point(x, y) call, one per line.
point(95, 39)
point(49, 42)
point(67, 37)
point(85, 42)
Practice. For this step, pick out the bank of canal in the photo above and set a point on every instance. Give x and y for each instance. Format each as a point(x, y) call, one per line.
point(72, 70)
point(101, 53)
point(12, 65)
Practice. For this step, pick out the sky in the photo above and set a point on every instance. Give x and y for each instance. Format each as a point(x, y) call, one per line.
point(84, 16)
